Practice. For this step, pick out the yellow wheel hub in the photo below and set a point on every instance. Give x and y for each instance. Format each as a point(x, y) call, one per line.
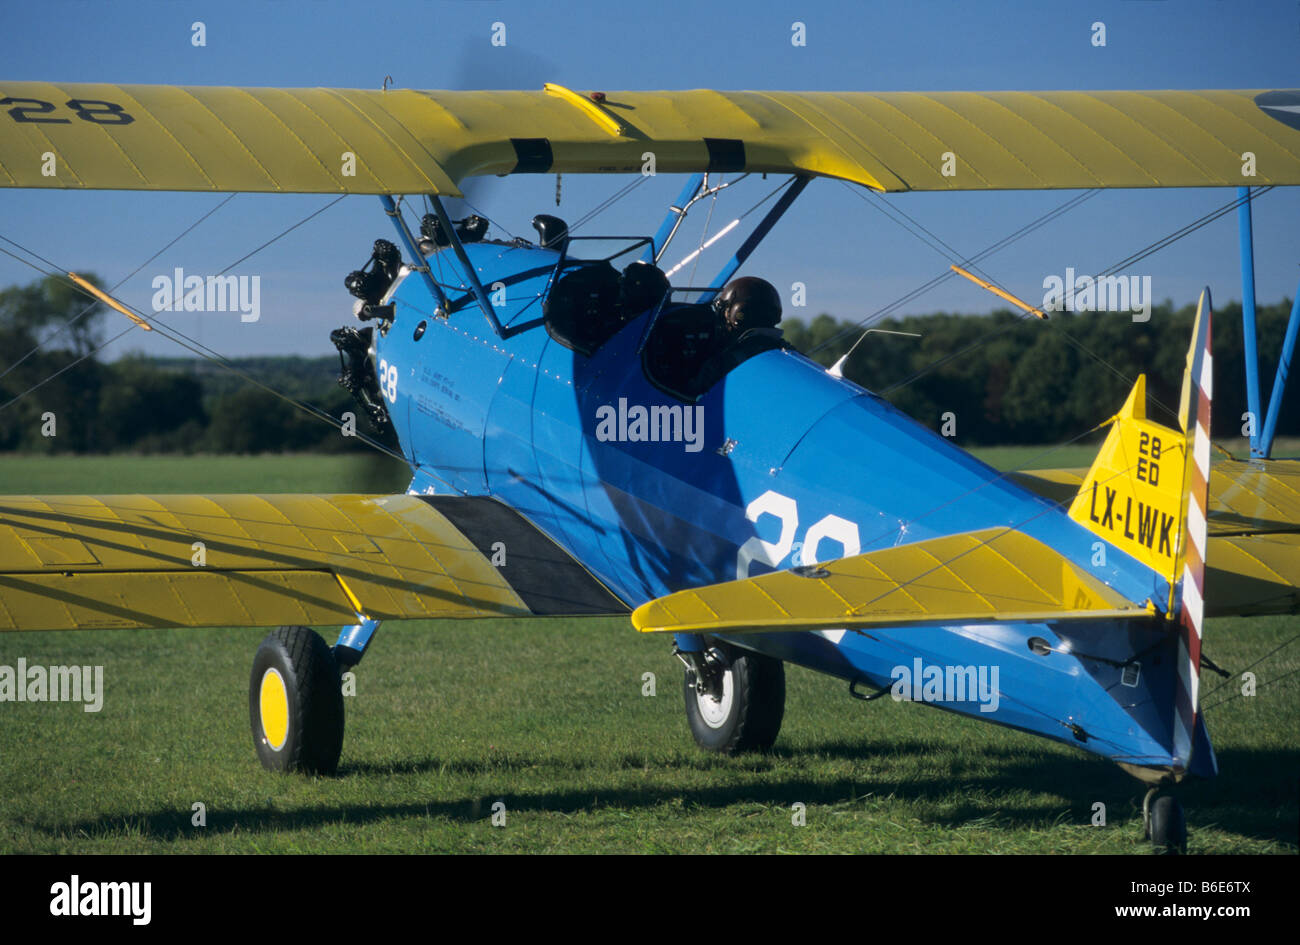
point(274, 704)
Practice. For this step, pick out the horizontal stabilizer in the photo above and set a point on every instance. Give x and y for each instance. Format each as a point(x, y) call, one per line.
point(973, 577)
point(1253, 548)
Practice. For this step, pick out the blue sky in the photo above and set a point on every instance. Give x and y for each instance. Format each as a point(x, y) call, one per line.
point(852, 259)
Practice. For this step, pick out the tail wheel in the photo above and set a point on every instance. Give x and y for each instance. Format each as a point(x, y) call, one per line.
point(736, 701)
point(1166, 826)
point(295, 703)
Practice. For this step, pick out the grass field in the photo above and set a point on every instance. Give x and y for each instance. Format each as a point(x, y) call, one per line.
point(549, 717)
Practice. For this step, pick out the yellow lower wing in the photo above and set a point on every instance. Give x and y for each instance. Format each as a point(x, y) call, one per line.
point(81, 562)
point(989, 575)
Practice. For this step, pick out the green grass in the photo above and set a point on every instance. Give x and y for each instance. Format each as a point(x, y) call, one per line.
point(548, 716)
point(113, 475)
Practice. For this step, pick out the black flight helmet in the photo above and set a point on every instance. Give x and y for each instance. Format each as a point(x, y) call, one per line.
point(748, 302)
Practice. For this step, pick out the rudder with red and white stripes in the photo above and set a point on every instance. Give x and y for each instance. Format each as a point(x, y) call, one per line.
point(1194, 418)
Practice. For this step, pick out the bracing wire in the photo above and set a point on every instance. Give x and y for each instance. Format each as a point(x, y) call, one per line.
point(180, 338)
point(117, 285)
point(1141, 254)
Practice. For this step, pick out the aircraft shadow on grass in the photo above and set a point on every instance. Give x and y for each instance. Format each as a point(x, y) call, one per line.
point(1261, 813)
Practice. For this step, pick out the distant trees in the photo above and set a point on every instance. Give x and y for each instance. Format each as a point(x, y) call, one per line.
point(1008, 379)
point(253, 420)
point(54, 312)
point(151, 410)
point(1016, 380)
point(143, 404)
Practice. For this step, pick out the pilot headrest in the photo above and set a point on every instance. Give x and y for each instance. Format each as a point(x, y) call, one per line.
point(552, 231)
point(641, 287)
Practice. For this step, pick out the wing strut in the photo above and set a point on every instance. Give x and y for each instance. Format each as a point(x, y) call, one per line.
point(418, 263)
point(1248, 317)
point(764, 227)
point(1279, 380)
point(467, 268)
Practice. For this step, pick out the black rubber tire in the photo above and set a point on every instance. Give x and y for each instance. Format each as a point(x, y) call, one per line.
point(1168, 828)
point(757, 705)
point(313, 738)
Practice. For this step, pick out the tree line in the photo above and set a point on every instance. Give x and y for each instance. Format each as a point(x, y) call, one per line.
point(52, 382)
point(1011, 379)
point(1005, 378)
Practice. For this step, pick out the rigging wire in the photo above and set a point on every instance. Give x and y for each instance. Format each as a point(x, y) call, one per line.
point(946, 274)
point(1139, 256)
point(585, 218)
point(713, 203)
point(615, 198)
point(91, 307)
point(282, 234)
point(60, 273)
point(1150, 249)
point(772, 193)
point(1230, 681)
point(178, 337)
point(608, 202)
point(1231, 696)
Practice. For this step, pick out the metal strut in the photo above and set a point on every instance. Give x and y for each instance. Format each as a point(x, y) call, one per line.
point(467, 267)
point(354, 640)
point(1247, 247)
point(1279, 380)
point(419, 265)
point(764, 227)
point(673, 219)
point(1262, 429)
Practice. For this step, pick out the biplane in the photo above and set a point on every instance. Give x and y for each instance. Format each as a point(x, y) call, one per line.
point(586, 437)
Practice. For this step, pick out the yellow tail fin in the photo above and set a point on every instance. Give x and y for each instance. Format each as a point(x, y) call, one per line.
point(1133, 495)
point(1147, 486)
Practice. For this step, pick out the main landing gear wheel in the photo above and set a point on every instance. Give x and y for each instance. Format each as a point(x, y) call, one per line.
point(735, 700)
point(1165, 825)
point(295, 703)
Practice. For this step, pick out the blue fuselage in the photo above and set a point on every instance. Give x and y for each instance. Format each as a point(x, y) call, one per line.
point(779, 464)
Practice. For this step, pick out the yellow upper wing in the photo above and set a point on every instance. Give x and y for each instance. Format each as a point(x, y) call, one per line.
point(979, 576)
point(81, 562)
point(142, 137)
